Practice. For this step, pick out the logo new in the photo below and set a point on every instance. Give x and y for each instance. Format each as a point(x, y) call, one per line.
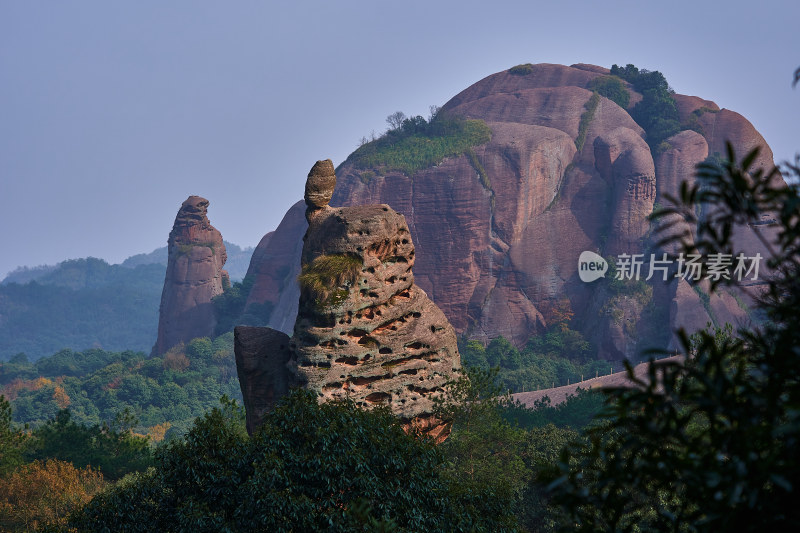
point(591, 267)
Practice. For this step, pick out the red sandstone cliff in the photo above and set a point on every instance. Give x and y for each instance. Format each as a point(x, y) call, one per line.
point(495, 256)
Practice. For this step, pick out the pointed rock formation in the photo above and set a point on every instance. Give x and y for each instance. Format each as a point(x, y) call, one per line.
point(364, 330)
point(194, 276)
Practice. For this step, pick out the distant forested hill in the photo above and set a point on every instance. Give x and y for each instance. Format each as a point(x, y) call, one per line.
point(83, 303)
point(238, 260)
point(236, 265)
point(87, 303)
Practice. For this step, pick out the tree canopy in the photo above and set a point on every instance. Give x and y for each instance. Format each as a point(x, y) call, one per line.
point(710, 445)
point(657, 112)
point(310, 467)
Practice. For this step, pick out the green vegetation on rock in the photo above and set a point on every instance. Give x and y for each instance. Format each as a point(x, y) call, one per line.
point(693, 120)
point(586, 120)
point(415, 144)
point(322, 279)
point(521, 70)
point(705, 298)
point(657, 112)
point(476, 164)
point(612, 88)
point(184, 249)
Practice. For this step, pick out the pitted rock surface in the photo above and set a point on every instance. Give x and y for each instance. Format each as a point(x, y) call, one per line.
point(384, 341)
point(365, 332)
point(194, 276)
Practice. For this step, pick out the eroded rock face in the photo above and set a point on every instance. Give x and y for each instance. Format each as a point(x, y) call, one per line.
point(623, 159)
point(364, 330)
point(194, 276)
point(262, 355)
point(377, 338)
point(319, 185)
point(496, 253)
point(275, 266)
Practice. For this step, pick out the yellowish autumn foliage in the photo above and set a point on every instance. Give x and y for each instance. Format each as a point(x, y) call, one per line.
point(41, 493)
point(175, 359)
point(61, 397)
point(157, 432)
point(12, 390)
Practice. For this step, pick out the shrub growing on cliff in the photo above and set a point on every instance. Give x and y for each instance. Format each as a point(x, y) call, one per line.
point(417, 144)
point(612, 88)
point(521, 70)
point(657, 112)
point(321, 279)
point(586, 120)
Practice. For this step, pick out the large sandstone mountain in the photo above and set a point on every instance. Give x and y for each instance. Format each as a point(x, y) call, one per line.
point(196, 255)
point(364, 330)
point(499, 229)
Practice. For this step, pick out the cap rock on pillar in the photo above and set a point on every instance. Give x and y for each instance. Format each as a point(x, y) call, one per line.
point(319, 186)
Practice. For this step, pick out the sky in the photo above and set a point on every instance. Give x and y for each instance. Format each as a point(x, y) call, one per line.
point(113, 113)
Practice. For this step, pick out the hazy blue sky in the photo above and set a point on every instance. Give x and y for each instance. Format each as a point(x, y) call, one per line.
point(112, 113)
